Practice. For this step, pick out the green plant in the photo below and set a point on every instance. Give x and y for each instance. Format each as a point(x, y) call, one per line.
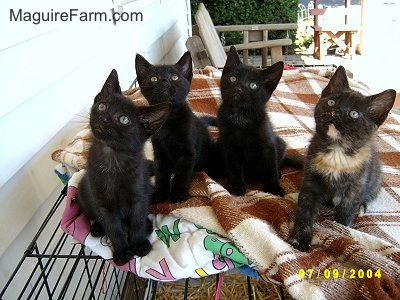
point(228, 12)
point(304, 37)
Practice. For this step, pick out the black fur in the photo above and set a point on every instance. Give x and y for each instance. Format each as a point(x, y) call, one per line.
point(115, 191)
point(183, 144)
point(342, 169)
point(250, 148)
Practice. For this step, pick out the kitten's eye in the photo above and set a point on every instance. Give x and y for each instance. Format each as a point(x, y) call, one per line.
point(354, 114)
point(154, 79)
point(102, 107)
point(331, 102)
point(124, 120)
point(253, 85)
point(232, 78)
point(174, 77)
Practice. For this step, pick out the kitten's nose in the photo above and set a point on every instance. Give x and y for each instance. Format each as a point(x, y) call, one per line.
point(335, 113)
point(103, 119)
point(165, 82)
point(237, 89)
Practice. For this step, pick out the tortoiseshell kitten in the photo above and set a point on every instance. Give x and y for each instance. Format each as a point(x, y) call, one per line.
point(342, 169)
point(250, 148)
point(115, 191)
point(183, 145)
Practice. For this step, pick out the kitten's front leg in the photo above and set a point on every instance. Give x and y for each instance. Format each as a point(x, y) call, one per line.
point(271, 176)
point(139, 230)
point(347, 211)
point(114, 229)
point(163, 176)
point(307, 208)
point(183, 175)
point(273, 187)
point(235, 172)
point(97, 230)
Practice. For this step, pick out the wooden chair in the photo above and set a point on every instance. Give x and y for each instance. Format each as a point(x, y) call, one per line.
point(206, 47)
point(335, 23)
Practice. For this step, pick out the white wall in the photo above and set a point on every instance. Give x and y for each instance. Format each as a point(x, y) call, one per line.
point(49, 75)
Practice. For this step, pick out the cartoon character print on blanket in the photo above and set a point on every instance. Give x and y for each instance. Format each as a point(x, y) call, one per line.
point(171, 238)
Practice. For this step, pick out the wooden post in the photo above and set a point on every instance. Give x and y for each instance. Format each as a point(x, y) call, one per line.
point(245, 52)
point(361, 43)
point(346, 5)
point(317, 46)
point(276, 54)
point(264, 50)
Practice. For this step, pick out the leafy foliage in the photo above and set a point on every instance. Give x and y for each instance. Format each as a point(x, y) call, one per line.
point(227, 12)
point(304, 36)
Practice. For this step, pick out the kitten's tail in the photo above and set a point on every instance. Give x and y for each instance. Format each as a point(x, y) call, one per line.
point(150, 167)
point(209, 120)
point(293, 160)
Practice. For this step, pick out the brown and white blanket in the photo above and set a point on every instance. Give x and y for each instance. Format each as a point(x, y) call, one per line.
point(361, 262)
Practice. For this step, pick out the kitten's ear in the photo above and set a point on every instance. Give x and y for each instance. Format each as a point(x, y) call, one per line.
point(337, 83)
point(380, 105)
point(272, 75)
point(232, 60)
point(142, 66)
point(153, 117)
point(111, 86)
point(185, 64)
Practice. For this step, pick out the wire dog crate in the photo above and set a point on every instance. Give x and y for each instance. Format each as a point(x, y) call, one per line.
point(54, 266)
point(57, 268)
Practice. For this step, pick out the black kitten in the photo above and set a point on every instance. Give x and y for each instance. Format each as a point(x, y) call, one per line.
point(342, 167)
point(115, 191)
point(250, 148)
point(183, 144)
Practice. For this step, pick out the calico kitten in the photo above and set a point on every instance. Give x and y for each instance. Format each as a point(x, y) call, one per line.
point(250, 148)
point(115, 191)
point(342, 167)
point(183, 144)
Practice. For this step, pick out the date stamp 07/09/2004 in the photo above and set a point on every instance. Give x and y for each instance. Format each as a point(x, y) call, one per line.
point(338, 274)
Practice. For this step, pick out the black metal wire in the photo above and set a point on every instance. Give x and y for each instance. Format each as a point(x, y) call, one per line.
point(57, 270)
point(185, 294)
point(43, 270)
point(154, 289)
point(281, 292)
point(62, 271)
point(69, 278)
point(249, 290)
point(54, 208)
point(45, 283)
point(89, 274)
point(103, 274)
point(136, 287)
point(96, 280)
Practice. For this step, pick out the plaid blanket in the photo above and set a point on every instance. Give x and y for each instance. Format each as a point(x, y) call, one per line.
point(361, 262)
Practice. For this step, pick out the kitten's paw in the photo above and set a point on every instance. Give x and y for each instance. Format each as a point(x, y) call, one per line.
point(300, 239)
point(179, 196)
point(141, 249)
point(96, 230)
point(346, 221)
point(237, 189)
point(275, 189)
point(149, 226)
point(121, 258)
point(345, 216)
point(299, 245)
